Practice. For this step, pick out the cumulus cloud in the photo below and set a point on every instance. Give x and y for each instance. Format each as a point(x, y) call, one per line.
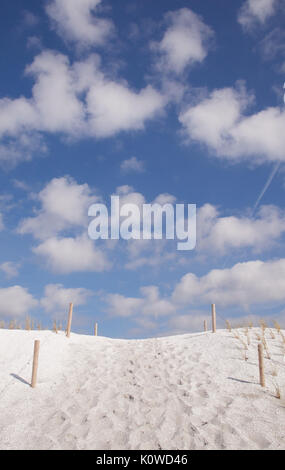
point(75, 100)
point(57, 298)
point(146, 252)
point(185, 42)
point(16, 115)
point(120, 306)
point(216, 234)
point(64, 205)
point(129, 196)
point(151, 253)
point(67, 255)
point(16, 301)
point(220, 235)
point(10, 269)
point(61, 221)
point(164, 198)
point(245, 284)
point(154, 305)
point(192, 322)
point(254, 12)
point(54, 97)
point(77, 21)
point(114, 107)
point(132, 164)
point(54, 106)
point(150, 304)
point(220, 122)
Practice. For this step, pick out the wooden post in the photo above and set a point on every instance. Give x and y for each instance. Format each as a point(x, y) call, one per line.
point(205, 325)
point(214, 327)
point(69, 320)
point(54, 327)
point(261, 365)
point(35, 363)
point(96, 329)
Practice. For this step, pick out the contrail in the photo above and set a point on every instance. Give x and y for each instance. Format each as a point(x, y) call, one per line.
point(266, 186)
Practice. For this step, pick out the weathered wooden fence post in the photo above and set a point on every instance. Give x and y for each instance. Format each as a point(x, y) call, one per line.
point(261, 365)
point(69, 321)
point(35, 363)
point(214, 327)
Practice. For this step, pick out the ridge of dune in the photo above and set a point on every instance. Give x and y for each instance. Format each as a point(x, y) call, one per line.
point(193, 391)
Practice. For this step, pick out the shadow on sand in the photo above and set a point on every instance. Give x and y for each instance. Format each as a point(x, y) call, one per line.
point(243, 381)
point(20, 379)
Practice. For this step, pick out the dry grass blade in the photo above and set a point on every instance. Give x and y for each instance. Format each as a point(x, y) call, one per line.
point(277, 391)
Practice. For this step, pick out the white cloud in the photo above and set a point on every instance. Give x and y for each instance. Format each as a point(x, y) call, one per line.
point(77, 101)
point(54, 106)
point(255, 12)
point(245, 284)
point(16, 115)
point(57, 298)
point(146, 252)
point(153, 304)
point(184, 43)
point(21, 148)
point(152, 253)
point(192, 322)
point(272, 48)
point(129, 196)
point(120, 306)
point(75, 21)
point(164, 198)
point(64, 205)
point(149, 304)
point(132, 165)
point(16, 302)
point(145, 324)
point(219, 235)
point(114, 107)
point(10, 269)
point(67, 255)
point(272, 44)
point(219, 121)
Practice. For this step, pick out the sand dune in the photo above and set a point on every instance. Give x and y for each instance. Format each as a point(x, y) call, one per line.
point(183, 392)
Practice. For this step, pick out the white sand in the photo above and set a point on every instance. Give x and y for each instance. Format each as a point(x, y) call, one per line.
point(183, 392)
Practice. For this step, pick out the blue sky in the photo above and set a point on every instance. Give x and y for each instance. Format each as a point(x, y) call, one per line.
point(181, 101)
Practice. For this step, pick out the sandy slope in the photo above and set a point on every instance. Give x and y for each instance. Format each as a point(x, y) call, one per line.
point(183, 392)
